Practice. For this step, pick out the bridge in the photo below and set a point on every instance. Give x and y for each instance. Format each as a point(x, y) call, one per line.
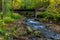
point(34, 10)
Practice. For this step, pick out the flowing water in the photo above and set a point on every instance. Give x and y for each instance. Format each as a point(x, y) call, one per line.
point(49, 34)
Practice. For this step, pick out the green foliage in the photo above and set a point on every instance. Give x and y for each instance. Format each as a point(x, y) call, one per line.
point(28, 3)
point(2, 23)
point(8, 6)
point(16, 16)
point(57, 15)
point(54, 7)
point(17, 4)
point(8, 19)
point(50, 16)
point(7, 14)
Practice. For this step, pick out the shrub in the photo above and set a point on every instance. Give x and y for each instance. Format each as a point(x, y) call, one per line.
point(16, 16)
point(8, 19)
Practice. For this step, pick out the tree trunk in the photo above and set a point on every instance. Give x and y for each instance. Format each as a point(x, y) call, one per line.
point(0, 5)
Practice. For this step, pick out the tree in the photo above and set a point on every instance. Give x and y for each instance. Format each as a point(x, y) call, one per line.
point(29, 3)
point(0, 5)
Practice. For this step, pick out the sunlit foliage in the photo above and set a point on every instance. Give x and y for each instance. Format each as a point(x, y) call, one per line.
point(16, 3)
point(28, 3)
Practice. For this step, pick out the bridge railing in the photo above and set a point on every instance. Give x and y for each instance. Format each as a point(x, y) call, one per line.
point(29, 10)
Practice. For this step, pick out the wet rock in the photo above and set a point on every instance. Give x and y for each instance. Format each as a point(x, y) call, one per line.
point(37, 33)
point(24, 38)
point(1, 38)
point(54, 27)
point(29, 29)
